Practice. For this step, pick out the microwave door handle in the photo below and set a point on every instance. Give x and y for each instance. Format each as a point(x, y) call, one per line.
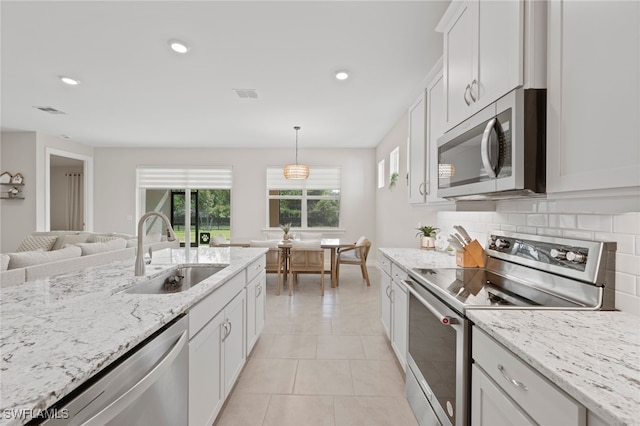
point(484, 148)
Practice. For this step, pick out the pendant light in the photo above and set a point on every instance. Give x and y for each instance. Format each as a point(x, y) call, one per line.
point(296, 171)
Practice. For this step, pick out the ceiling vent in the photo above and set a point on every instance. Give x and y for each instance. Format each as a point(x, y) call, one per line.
point(50, 110)
point(246, 93)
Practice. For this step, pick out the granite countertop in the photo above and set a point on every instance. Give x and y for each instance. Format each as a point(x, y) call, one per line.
point(57, 332)
point(594, 356)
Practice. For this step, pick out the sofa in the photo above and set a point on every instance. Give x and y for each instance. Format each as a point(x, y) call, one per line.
point(43, 254)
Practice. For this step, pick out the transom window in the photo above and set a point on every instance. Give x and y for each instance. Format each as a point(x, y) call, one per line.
point(310, 203)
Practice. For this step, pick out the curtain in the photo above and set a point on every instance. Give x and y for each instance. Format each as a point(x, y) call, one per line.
point(75, 201)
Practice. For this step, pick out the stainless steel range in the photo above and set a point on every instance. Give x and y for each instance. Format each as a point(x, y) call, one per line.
point(523, 272)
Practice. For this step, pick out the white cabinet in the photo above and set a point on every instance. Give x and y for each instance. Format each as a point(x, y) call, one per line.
point(416, 150)
point(394, 304)
point(593, 96)
point(216, 357)
point(399, 330)
point(255, 309)
point(515, 392)
point(483, 54)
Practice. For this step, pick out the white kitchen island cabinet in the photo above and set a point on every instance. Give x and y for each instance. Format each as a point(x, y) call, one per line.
point(394, 308)
point(593, 125)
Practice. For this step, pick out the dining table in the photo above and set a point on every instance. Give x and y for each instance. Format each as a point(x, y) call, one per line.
point(333, 244)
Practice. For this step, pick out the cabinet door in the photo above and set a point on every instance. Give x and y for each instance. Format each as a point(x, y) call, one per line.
point(385, 303)
point(460, 50)
point(233, 340)
point(490, 406)
point(500, 50)
point(416, 150)
point(205, 381)
point(593, 96)
point(261, 300)
point(399, 307)
point(435, 129)
point(251, 314)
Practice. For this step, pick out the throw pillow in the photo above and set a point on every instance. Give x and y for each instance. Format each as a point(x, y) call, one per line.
point(35, 242)
point(69, 240)
point(5, 262)
point(36, 257)
point(94, 248)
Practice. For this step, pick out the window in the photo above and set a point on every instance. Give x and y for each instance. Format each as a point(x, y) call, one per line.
point(198, 199)
point(394, 162)
point(310, 203)
point(381, 174)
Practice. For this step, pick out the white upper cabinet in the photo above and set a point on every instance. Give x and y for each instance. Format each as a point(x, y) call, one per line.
point(593, 109)
point(416, 154)
point(483, 54)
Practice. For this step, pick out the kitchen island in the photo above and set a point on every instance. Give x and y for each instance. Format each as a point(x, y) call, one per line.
point(60, 331)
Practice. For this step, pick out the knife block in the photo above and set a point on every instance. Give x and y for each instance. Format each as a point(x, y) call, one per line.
point(472, 256)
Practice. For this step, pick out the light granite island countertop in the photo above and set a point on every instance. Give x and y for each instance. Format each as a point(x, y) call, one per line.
point(57, 332)
point(594, 356)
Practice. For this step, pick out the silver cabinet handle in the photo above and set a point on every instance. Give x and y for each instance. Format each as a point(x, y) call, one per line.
point(388, 292)
point(227, 329)
point(466, 92)
point(230, 328)
point(473, 83)
point(130, 396)
point(420, 188)
point(513, 381)
point(484, 148)
point(259, 292)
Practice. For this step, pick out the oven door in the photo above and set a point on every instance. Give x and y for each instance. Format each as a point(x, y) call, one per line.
point(438, 355)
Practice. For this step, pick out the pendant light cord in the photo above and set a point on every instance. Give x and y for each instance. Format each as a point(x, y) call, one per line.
point(296, 128)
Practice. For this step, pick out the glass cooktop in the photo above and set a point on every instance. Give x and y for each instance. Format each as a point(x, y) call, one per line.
point(482, 288)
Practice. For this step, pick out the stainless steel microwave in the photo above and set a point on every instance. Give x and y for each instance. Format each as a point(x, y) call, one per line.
point(499, 152)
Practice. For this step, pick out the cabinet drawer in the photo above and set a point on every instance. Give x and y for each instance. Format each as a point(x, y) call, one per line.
point(385, 264)
point(207, 308)
point(539, 398)
point(255, 268)
point(397, 273)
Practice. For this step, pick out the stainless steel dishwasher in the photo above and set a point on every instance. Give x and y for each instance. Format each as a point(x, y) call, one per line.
point(147, 387)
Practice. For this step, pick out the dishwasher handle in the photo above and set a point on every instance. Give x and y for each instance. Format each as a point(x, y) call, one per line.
point(130, 396)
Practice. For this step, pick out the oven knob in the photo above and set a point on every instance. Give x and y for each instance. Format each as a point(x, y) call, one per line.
point(502, 244)
point(576, 257)
point(558, 254)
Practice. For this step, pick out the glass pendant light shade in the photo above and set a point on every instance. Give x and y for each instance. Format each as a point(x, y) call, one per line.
point(296, 171)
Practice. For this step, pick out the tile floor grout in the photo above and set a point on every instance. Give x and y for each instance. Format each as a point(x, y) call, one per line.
point(280, 386)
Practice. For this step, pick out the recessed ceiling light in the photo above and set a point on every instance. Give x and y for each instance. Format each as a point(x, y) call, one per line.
point(68, 80)
point(342, 75)
point(178, 46)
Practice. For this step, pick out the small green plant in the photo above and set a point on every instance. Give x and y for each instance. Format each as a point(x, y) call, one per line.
point(427, 231)
point(286, 228)
point(393, 179)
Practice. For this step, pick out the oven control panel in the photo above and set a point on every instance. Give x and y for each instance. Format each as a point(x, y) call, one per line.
point(564, 255)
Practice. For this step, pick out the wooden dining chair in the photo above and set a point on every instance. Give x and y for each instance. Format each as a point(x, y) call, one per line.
point(274, 262)
point(355, 255)
point(306, 257)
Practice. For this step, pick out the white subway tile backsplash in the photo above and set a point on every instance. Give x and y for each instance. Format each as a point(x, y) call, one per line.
point(628, 223)
point(628, 264)
point(626, 283)
point(538, 220)
point(595, 222)
point(562, 221)
point(528, 206)
point(510, 228)
point(517, 219)
point(628, 303)
point(501, 218)
point(527, 229)
point(579, 235)
point(626, 243)
point(550, 232)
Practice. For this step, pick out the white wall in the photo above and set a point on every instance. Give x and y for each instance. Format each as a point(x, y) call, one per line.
point(26, 152)
point(115, 181)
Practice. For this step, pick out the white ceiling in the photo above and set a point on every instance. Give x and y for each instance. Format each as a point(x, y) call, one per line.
point(135, 91)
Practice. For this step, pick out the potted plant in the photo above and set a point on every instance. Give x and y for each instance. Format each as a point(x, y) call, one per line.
point(427, 236)
point(285, 228)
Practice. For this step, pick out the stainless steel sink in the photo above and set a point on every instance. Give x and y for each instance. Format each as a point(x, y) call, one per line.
point(176, 280)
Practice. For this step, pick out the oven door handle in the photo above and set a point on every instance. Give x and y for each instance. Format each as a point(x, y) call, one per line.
point(484, 148)
point(444, 319)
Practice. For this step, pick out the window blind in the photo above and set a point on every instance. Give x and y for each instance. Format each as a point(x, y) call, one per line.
point(319, 178)
point(181, 178)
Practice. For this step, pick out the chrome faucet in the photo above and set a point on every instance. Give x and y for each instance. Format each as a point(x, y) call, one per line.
point(171, 236)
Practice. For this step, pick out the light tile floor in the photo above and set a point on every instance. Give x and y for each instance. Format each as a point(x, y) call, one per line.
point(321, 360)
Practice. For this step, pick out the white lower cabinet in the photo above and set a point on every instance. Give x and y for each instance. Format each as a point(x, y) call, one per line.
point(399, 305)
point(505, 390)
point(223, 327)
point(255, 309)
point(394, 308)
